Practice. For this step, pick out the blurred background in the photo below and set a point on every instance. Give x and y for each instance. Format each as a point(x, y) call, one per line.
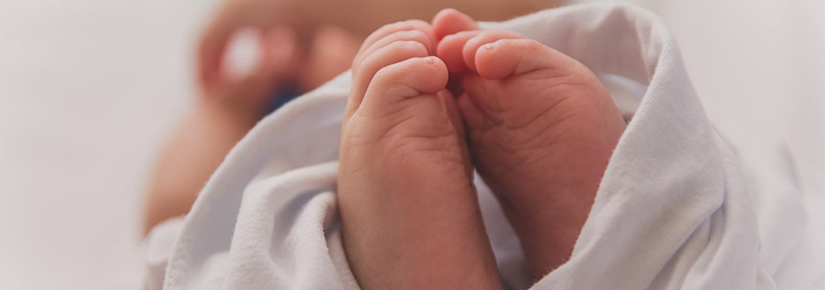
point(89, 89)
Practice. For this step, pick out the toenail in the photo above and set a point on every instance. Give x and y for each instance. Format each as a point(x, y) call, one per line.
point(489, 46)
point(430, 60)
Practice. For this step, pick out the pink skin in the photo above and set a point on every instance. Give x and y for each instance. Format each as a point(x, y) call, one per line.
point(541, 131)
point(410, 218)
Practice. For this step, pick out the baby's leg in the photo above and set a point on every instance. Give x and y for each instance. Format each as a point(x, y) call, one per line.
point(541, 130)
point(409, 212)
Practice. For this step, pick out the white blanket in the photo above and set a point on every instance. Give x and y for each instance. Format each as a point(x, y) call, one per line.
point(680, 206)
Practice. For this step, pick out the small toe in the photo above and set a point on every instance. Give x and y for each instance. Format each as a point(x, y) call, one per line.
point(450, 21)
point(451, 47)
point(389, 29)
point(472, 45)
point(403, 35)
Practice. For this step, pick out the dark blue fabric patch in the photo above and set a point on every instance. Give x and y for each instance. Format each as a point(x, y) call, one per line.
point(283, 96)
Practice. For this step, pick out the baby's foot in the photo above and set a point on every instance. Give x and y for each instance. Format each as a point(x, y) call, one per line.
point(410, 218)
point(541, 128)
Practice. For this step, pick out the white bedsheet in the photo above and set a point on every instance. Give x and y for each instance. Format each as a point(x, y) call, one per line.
point(681, 205)
point(89, 89)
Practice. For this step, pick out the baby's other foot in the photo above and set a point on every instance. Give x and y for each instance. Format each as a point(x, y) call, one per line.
point(541, 127)
point(409, 212)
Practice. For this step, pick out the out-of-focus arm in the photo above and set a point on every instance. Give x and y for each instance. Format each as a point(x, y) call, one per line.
point(364, 16)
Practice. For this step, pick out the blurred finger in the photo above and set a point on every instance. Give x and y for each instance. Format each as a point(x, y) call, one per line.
point(212, 47)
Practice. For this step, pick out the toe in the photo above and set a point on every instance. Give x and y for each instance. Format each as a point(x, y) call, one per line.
point(450, 21)
point(450, 49)
point(509, 57)
point(392, 53)
point(390, 44)
point(404, 35)
point(473, 44)
point(389, 29)
point(395, 83)
point(453, 28)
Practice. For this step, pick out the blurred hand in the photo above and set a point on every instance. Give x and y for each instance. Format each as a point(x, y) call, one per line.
point(308, 65)
point(279, 40)
point(296, 54)
point(277, 62)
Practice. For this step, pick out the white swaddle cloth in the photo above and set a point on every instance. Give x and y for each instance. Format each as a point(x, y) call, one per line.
point(680, 206)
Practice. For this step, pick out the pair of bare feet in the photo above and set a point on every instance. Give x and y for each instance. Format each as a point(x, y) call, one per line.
point(537, 125)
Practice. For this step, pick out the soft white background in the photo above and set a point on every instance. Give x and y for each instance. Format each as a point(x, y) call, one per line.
point(89, 89)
